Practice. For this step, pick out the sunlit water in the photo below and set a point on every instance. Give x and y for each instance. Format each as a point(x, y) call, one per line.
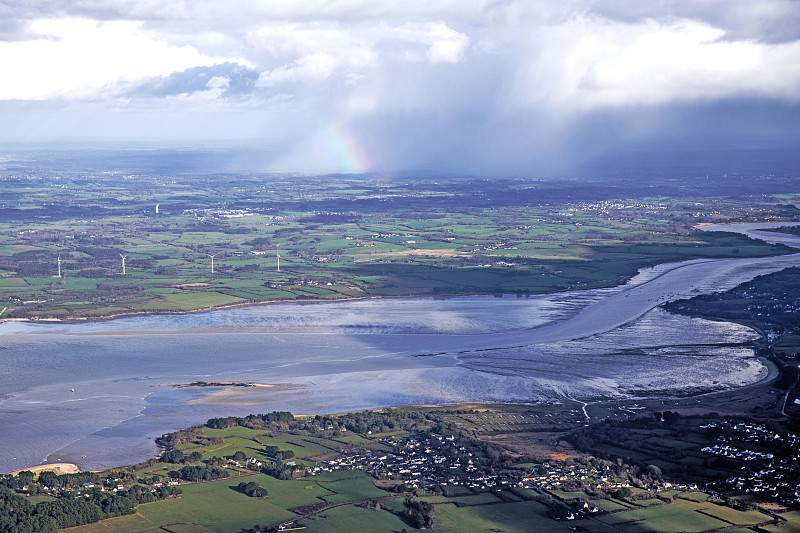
point(344, 356)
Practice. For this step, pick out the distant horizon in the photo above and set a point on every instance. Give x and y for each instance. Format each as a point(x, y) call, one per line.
point(481, 87)
point(229, 157)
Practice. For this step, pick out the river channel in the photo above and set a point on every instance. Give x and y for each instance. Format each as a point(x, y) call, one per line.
point(98, 393)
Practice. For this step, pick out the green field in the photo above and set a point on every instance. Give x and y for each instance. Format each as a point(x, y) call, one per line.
point(610, 505)
point(355, 520)
point(349, 237)
point(792, 523)
point(482, 498)
point(217, 506)
point(353, 488)
point(354, 500)
point(679, 516)
point(522, 517)
point(735, 516)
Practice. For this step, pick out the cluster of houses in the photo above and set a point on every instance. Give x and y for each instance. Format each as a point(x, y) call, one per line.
point(416, 461)
point(554, 477)
point(251, 463)
point(158, 485)
point(493, 247)
point(769, 303)
point(619, 210)
point(773, 481)
point(551, 477)
point(202, 213)
point(421, 462)
point(752, 432)
point(382, 235)
point(769, 475)
point(736, 453)
point(110, 484)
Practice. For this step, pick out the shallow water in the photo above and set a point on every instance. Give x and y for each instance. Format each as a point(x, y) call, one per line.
point(344, 356)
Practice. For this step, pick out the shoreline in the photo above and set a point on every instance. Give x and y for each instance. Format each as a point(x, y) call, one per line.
point(245, 393)
point(58, 468)
point(699, 227)
point(304, 301)
point(232, 395)
point(313, 301)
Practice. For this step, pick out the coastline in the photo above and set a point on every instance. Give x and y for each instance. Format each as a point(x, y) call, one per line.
point(58, 468)
point(704, 226)
point(237, 394)
point(304, 301)
point(309, 301)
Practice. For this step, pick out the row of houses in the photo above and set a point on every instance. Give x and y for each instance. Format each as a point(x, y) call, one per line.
point(758, 433)
point(736, 453)
point(110, 484)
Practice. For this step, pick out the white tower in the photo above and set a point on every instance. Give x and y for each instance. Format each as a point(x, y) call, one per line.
point(277, 253)
point(59, 266)
point(212, 262)
point(156, 209)
point(123, 263)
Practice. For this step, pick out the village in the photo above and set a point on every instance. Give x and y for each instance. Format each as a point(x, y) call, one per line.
point(435, 462)
point(432, 463)
point(773, 460)
point(327, 462)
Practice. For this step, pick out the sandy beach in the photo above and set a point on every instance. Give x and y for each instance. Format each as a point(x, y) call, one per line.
point(58, 468)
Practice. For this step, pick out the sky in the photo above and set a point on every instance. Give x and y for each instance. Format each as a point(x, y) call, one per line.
point(487, 87)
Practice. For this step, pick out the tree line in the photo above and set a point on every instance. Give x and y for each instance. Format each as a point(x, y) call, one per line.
point(17, 515)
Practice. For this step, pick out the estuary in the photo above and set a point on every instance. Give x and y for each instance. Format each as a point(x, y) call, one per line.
point(98, 393)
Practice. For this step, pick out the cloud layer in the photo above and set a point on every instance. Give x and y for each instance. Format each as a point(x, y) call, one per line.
point(495, 86)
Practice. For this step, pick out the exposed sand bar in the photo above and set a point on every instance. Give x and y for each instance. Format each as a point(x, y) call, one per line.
point(245, 394)
point(58, 468)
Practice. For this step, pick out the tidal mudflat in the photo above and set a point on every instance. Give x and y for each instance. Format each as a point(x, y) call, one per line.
point(98, 393)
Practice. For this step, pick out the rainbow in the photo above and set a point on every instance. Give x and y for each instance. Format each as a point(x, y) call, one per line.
point(348, 151)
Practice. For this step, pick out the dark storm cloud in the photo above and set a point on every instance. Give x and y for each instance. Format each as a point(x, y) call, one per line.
point(231, 78)
point(474, 86)
point(685, 139)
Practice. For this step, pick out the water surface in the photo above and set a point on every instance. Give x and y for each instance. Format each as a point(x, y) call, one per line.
point(342, 356)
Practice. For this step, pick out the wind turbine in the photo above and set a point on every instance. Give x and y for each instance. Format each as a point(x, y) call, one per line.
point(59, 266)
point(278, 254)
point(123, 263)
point(212, 261)
point(156, 209)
